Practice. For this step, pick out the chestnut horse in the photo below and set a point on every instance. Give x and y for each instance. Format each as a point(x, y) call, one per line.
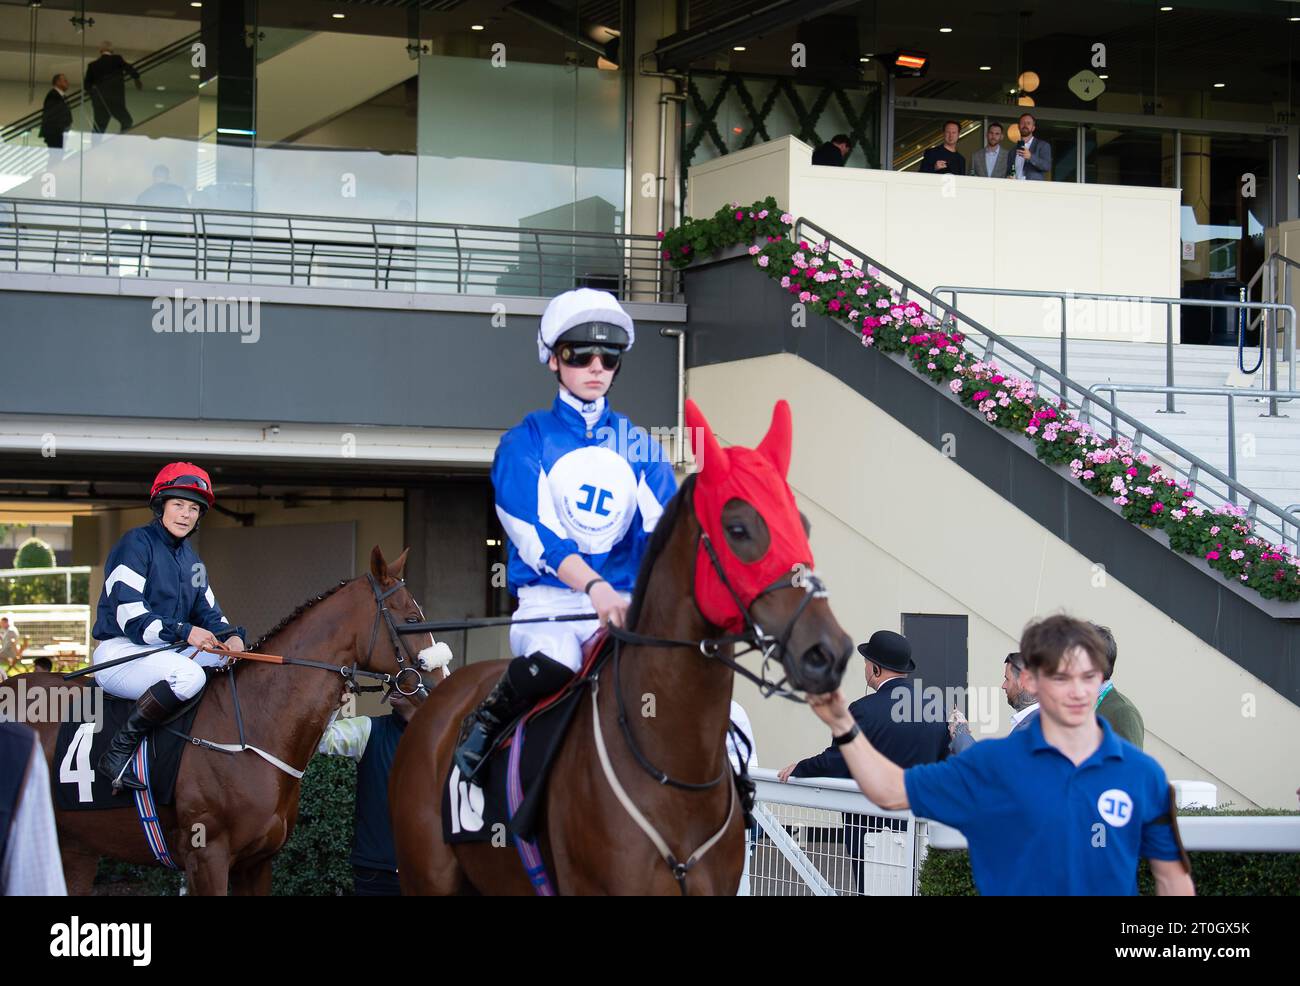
point(587, 836)
point(244, 806)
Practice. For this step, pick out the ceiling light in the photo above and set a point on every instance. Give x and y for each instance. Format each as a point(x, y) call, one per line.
point(1103, 76)
point(986, 68)
point(945, 30)
point(865, 58)
point(196, 4)
point(476, 27)
point(161, 88)
point(337, 17)
point(1165, 10)
point(1219, 85)
point(738, 48)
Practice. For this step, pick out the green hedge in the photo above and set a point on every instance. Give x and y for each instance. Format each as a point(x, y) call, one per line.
point(314, 862)
point(946, 872)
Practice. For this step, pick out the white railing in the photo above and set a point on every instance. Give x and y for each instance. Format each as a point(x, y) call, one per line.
point(820, 837)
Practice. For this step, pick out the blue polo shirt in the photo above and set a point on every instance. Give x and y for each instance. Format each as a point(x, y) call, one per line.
point(1038, 825)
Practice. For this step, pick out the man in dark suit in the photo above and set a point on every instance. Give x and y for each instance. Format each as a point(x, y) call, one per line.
point(833, 152)
point(56, 115)
point(1032, 158)
point(893, 715)
point(106, 86)
point(889, 716)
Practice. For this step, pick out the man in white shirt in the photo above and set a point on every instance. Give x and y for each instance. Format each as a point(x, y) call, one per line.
point(1018, 687)
point(1032, 158)
point(990, 161)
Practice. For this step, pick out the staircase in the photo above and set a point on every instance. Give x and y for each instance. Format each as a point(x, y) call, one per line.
point(1268, 449)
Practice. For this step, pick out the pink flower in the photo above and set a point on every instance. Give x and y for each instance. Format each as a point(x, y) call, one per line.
point(785, 282)
point(666, 255)
point(1211, 556)
point(753, 249)
point(659, 235)
point(1157, 507)
point(686, 249)
point(955, 386)
point(762, 261)
point(739, 214)
point(979, 395)
point(805, 296)
point(929, 366)
point(762, 214)
point(1130, 472)
point(787, 218)
point(1214, 529)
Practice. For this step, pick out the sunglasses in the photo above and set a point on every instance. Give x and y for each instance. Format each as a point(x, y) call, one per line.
point(198, 481)
point(579, 356)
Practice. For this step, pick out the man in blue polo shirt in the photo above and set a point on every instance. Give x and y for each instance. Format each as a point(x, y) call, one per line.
point(1066, 792)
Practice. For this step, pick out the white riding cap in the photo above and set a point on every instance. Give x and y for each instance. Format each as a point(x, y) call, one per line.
point(584, 306)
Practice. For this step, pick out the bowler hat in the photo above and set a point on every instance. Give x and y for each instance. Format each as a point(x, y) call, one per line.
point(890, 650)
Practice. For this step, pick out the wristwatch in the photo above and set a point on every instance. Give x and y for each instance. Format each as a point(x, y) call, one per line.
point(848, 737)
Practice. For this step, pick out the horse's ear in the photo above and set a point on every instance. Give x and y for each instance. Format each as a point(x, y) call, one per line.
point(775, 445)
point(378, 567)
point(710, 457)
point(395, 567)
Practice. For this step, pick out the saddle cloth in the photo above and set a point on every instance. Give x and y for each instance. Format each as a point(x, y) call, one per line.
point(479, 811)
point(83, 742)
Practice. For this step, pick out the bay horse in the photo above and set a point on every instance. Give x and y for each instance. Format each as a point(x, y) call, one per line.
point(244, 806)
point(588, 838)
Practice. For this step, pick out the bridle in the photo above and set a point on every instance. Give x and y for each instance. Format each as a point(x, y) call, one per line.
point(400, 651)
point(712, 648)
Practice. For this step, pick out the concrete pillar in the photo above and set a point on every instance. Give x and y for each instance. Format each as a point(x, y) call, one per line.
point(1196, 193)
point(653, 20)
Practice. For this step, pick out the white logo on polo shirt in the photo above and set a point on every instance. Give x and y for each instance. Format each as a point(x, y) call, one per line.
point(1116, 807)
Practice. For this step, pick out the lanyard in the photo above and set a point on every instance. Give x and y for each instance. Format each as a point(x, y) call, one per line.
point(1105, 690)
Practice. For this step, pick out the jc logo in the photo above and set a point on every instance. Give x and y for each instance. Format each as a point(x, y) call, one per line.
point(595, 500)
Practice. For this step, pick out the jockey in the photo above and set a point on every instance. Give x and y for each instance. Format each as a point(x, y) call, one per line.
point(578, 491)
point(157, 593)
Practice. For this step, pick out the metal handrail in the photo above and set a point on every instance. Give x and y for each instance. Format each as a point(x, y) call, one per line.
point(1042, 375)
point(1169, 303)
point(1269, 289)
point(393, 254)
point(1231, 393)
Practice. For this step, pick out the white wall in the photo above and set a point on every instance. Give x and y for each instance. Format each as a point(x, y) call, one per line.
point(898, 527)
point(957, 230)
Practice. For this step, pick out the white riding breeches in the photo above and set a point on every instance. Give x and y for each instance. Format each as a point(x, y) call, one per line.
point(559, 641)
point(181, 669)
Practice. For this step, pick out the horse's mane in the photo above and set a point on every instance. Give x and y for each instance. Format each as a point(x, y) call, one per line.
point(658, 541)
point(296, 613)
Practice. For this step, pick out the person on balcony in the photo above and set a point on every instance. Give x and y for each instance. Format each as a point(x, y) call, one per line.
point(834, 152)
point(1032, 158)
point(56, 116)
point(106, 85)
point(944, 159)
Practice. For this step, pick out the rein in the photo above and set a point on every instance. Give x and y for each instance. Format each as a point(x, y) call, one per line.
point(350, 674)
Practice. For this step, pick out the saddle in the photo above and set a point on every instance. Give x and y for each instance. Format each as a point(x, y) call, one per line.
point(83, 739)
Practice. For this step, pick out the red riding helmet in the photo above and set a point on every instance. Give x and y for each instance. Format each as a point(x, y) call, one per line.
point(182, 480)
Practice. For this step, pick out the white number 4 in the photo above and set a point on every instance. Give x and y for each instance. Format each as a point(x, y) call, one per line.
point(83, 776)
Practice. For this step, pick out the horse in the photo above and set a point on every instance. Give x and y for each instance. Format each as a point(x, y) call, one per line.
point(244, 807)
point(673, 768)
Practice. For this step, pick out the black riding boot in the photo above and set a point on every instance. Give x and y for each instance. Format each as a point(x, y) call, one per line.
point(155, 706)
point(527, 680)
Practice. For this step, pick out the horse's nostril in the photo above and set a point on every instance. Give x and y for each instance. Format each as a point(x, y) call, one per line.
point(818, 658)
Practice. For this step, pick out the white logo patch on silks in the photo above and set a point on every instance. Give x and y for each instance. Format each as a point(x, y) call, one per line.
point(466, 804)
point(594, 492)
point(1115, 807)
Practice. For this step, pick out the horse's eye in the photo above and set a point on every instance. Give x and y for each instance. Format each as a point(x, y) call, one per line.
point(412, 619)
point(737, 531)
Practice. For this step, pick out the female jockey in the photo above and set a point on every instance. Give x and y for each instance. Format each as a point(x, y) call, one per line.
point(578, 491)
point(157, 593)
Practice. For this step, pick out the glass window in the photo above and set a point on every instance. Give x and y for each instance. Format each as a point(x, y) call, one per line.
point(1128, 157)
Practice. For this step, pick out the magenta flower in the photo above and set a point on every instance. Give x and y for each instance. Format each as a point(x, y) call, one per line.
point(739, 215)
point(1157, 507)
point(1211, 556)
point(659, 235)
